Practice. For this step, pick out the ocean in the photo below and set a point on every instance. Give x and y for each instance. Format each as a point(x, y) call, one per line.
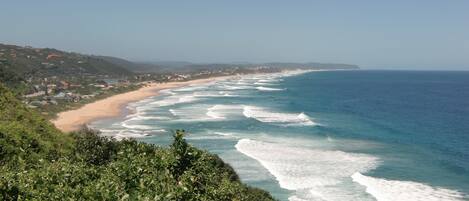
point(323, 135)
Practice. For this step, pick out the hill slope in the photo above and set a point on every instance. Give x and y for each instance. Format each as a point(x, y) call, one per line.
point(38, 162)
point(132, 66)
point(193, 67)
point(46, 62)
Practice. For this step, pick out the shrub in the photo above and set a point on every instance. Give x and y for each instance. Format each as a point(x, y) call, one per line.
point(94, 149)
point(38, 162)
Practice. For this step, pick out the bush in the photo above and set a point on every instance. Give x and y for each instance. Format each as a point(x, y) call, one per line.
point(94, 149)
point(38, 162)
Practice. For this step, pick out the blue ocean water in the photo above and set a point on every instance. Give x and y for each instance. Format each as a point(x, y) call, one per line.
point(323, 135)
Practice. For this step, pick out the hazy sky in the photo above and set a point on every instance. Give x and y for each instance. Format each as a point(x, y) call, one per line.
point(426, 34)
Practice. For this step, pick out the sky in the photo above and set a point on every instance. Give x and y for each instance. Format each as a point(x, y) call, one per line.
point(398, 34)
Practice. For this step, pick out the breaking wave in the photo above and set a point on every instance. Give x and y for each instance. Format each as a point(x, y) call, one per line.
point(176, 99)
point(265, 116)
point(268, 89)
point(390, 190)
point(313, 174)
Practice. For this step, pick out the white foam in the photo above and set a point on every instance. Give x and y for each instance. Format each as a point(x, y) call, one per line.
point(223, 134)
point(264, 83)
point(135, 123)
point(233, 88)
point(137, 117)
point(176, 99)
point(152, 118)
point(390, 190)
point(222, 111)
point(136, 126)
point(214, 114)
point(190, 88)
point(269, 80)
point(215, 94)
point(262, 115)
point(211, 137)
point(268, 89)
point(109, 130)
point(126, 134)
point(167, 91)
point(199, 112)
point(314, 174)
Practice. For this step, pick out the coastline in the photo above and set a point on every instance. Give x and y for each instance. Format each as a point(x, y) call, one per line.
point(109, 107)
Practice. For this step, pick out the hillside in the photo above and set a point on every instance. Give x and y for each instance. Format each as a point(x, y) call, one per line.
point(38, 162)
point(161, 67)
point(136, 67)
point(28, 62)
point(45, 62)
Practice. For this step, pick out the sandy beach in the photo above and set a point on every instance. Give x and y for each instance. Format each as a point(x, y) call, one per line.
point(112, 106)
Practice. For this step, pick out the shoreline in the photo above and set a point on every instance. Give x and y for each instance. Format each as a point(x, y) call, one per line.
point(113, 106)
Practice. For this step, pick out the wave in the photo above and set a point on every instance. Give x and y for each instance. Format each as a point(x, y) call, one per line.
point(269, 80)
point(149, 118)
point(268, 89)
point(265, 83)
point(127, 134)
point(167, 92)
point(265, 116)
point(190, 88)
point(173, 100)
point(214, 94)
point(234, 88)
point(141, 115)
point(199, 112)
point(312, 173)
point(223, 134)
point(136, 123)
point(136, 126)
point(221, 111)
point(213, 136)
point(214, 115)
point(192, 113)
point(390, 190)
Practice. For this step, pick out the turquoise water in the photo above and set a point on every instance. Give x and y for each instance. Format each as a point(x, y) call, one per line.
point(329, 135)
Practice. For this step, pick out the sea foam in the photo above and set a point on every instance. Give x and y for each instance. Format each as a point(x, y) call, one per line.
point(222, 111)
point(175, 99)
point(314, 174)
point(390, 190)
point(268, 89)
point(263, 115)
point(213, 94)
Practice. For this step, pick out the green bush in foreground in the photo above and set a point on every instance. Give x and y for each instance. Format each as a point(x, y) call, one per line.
point(38, 162)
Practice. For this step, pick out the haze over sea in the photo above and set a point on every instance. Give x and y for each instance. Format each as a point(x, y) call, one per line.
point(323, 135)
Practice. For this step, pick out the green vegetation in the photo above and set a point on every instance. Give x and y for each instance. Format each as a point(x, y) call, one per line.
point(38, 162)
point(50, 111)
point(12, 80)
point(32, 62)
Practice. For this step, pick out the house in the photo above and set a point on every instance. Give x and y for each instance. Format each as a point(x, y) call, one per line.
point(3, 61)
point(102, 82)
point(38, 103)
point(75, 85)
point(53, 56)
point(60, 95)
point(88, 96)
point(63, 85)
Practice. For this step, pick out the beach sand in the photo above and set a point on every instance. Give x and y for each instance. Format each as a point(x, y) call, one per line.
point(112, 106)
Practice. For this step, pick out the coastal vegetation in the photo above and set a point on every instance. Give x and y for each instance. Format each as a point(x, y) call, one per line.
point(52, 80)
point(57, 105)
point(38, 162)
